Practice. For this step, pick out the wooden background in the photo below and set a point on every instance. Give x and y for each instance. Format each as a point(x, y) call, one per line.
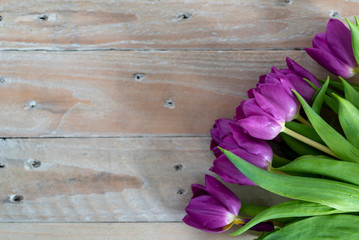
point(106, 106)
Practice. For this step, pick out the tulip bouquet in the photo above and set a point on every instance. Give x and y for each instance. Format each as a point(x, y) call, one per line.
point(296, 136)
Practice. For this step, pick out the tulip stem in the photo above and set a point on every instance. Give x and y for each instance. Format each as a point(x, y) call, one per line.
point(302, 120)
point(309, 141)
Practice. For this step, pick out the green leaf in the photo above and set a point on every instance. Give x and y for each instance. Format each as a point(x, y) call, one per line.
point(293, 208)
point(318, 101)
point(338, 227)
point(338, 85)
point(338, 195)
point(278, 161)
point(251, 209)
point(334, 140)
point(325, 166)
point(354, 31)
point(348, 118)
point(351, 94)
point(323, 96)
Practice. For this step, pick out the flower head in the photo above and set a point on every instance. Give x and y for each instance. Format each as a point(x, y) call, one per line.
point(214, 208)
point(333, 50)
point(233, 138)
point(259, 117)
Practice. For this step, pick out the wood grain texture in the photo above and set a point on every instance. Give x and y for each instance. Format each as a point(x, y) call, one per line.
point(109, 231)
point(208, 24)
point(106, 179)
point(85, 94)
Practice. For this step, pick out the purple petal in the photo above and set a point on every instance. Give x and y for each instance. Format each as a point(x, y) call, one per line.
point(250, 107)
point(198, 190)
point(301, 86)
point(270, 78)
point(261, 227)
point(228, 172)
point(187, 219)
point(252, 145)
point(320, 41)
point(222, 126)
point(268, 107)
point(220, 130)
point(279, 96)
point(302, 71)
point(207, 213)
point(339, 41)
point(330, 62)
point(223, 194)
point(250, 93)
point(239, 112)
point(262, 127)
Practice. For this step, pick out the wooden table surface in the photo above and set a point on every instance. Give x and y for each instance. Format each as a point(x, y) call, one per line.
point(106, 106)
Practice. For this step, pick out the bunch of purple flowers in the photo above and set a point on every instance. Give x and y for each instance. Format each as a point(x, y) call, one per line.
point(272, 116)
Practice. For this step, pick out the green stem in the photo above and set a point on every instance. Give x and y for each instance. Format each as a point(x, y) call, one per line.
point(309, 141)
point(302, 120)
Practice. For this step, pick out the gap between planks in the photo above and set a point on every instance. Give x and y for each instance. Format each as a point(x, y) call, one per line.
point(110, 231)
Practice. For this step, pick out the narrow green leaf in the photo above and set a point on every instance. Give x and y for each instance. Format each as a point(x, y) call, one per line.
point(332, 103)
point(251, 209)
point(351, 94)
point(338, 227)
point(278, 161)
point(348, 118)
point(318, 101)
point(354, 31)
point(334, 140)
point(293, 208)
point(338, 85)
point(338, 195)
point(325, 166)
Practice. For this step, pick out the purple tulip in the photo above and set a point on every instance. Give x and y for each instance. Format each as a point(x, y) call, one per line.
point(255, 151)
point(333, 50)
point(295, 68)
point(259, 117)
point(214, 208)
point(292, 78)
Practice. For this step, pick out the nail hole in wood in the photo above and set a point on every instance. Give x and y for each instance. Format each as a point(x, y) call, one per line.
point(181, 191)
point(31, 105)
point(0, 18)
point(169, 103)
point(43, 17)
point(184, 16)
point(288, 1)
point(31, 164)
point(333, 14)
point(178, 167)
point(14, 198)
point(2, 165)
point(34, 163)
point(138, 77)
point(2, 79)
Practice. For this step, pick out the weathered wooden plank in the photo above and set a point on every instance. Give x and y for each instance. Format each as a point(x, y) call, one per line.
point(109, 231)
point(96, 94)
point(105, 179)
point(205, 24)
